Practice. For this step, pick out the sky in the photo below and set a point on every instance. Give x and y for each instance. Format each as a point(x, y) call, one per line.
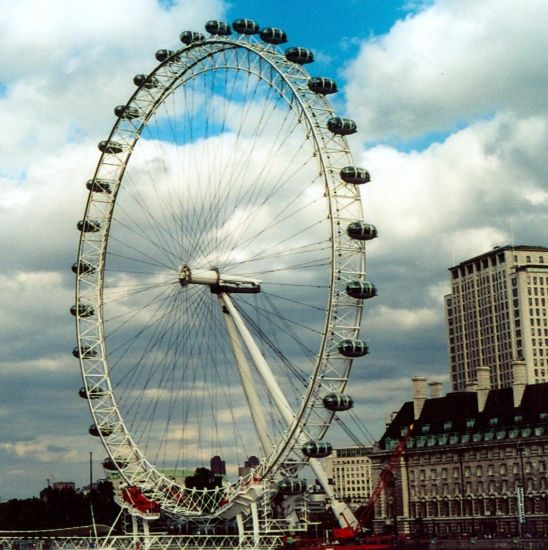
point(450, 102)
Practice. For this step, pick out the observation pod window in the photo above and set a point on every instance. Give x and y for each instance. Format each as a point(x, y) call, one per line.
point(337, 402)
point(94, 393)
point(362, 290)
point(245, 26)
point(220, 28)
point(301, 56)
point(83, 310)
point(105, 430)
point(322, 85)
point(353, 348)
point(83, 268)
point(88, 226)
point(317, 449)
point(191, 37)
point(144, 81)
point(355, 175)
point(99, 186)
point(292, 486)
point(127, 112)
point(162, 55)
point(273, 35)
point(113, 465)
point(361, 231)
point(110, 147)
point(342, 126)
point(85, 352)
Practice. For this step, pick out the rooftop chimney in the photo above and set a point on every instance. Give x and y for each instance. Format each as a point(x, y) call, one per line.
point(519, 374)
point(419, 394)
point(471, 386)
point(435, 389)
point(484, 385)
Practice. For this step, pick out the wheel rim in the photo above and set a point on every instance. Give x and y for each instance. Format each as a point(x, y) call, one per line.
point(277, 221)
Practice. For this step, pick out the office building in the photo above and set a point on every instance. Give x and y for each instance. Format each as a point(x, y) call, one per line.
point(349, 470)
point(497, 314)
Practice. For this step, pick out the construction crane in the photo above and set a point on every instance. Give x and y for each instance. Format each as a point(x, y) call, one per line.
point(345, 533)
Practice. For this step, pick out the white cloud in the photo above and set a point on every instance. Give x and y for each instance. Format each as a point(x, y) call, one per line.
point(384, 317)
point(450, 62)
point(464, 195)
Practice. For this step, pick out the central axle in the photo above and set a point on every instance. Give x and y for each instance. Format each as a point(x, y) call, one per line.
point(217, 282)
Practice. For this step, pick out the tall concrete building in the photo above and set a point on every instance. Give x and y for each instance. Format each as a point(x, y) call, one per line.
point(497, 315)
point(349, 470)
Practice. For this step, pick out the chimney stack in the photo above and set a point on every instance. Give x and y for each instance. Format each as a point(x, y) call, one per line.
point(484, 385)
point(471, 386)
point(436, 389)
point(519, 374)
point(419, 394)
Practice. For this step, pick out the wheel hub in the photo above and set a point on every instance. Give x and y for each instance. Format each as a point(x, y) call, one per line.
point(217, 281)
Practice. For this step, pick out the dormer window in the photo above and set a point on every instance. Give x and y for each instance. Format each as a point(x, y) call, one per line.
point(493, 421)
point(470, 422)
point(425, 428)
point(447, 425)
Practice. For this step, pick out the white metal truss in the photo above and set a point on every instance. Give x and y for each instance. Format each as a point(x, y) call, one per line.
point(343, 313)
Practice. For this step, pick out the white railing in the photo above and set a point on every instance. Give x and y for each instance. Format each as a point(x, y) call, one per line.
point(153, 542)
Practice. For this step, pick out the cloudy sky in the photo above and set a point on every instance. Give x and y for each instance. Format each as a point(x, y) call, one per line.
point(450, 102)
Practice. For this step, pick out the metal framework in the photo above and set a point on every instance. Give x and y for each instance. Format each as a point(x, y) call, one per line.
point(331, 266)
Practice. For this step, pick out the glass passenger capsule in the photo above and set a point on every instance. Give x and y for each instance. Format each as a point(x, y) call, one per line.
point(342, 126)
point(273, 35)
point(353, 348)
point(355, 175)
point(83, 310)
point(362, 290)
point(127, 112)
point(144, 81)
point(191, 37)
point(322, 85)
point(105, 430)
point(220, 28)
point(291, 486)
point(110, 147)
point(99, 186)
point(85, 352)
point(301, 56)
point(88, 226)
point(162, 55)
point(245, 26)
point(337, 402)
point(361, 231)
point(82, 267)
point(113, 465)
point(94, 393)
point(317, 449)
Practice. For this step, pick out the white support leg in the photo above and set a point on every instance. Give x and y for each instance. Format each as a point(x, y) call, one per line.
point(146, 534)
point(255, 406)
point(342, 512)
point(241, 531)
point(135, 530)
point(255, 518)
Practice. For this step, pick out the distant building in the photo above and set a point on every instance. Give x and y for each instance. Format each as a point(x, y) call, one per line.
point(350, 472)
point(60, 485)
point(217, 466)
point(475, 461)
point(496, 314)
point(250, 464)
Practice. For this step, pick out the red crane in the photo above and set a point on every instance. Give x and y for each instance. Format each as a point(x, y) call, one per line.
point(344, 533)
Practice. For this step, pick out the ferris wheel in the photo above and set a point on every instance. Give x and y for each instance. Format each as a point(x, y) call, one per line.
point(220, 275)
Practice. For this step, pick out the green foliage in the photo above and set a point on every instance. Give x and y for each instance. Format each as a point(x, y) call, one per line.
point(59, 508)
